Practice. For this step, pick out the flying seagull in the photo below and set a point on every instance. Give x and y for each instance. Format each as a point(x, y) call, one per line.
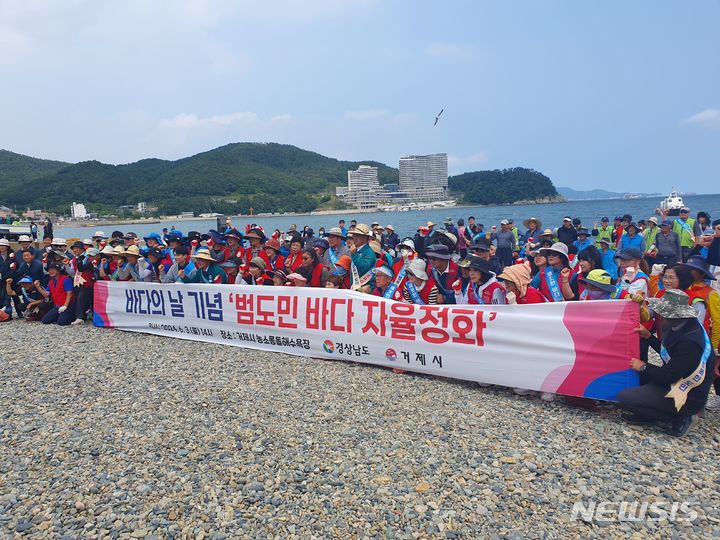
point(438, 117)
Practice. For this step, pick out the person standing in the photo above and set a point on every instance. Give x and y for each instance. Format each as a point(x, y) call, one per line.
point(683, 226)
point(667, 244)
point(505, 241)
point(678, 390)
point(48, 229)
point(567, 234)
point(603, 231)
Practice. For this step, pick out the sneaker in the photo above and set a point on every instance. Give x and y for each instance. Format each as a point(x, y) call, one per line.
point(77, 322)
point(547, 396)
point(681, 425)
point(713, 403)
point(633, 418)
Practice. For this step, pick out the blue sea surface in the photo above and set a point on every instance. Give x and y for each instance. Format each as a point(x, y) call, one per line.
point(406, 223)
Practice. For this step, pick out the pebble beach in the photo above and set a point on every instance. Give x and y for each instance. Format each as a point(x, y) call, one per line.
point(110, 434)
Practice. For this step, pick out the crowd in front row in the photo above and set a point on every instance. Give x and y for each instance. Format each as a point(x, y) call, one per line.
point(452, 264)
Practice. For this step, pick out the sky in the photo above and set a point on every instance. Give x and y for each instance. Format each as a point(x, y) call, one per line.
point(617, 95)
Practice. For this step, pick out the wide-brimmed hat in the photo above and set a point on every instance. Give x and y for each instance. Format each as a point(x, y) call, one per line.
point(696, 262)
point(155, 252)
point(390, 228)
point(174, 236)
point(583, 231)
point(450, 236)
point(538, 223)
point(375, 246)
point(408, 243)
point(598, 278)
point(234, 233)
point(482, 244)
point(361, 230)
point(88, 242)
point(255, 233)
point(77, 244)
point(154, 236)
point(216, 237)
point(438, 251)
point(273, 244)
point(519, 274)
point(278, 273)
point(629, 254)
point(335, 231)
point(674, 304)
point(133, 251)
point(204, 254)
point(24, 238)
point(548, 232)
point(108, 250)
point(119, 251)
point(654, 220)
point(320, 243)
point(4, 242)
point(91, 252)
point(100, 235)
point(58, 242)
point(417, 269)
point(558, 248)
point(448, 221)
point(481, 265)
point(232, 262)
point(258, 262)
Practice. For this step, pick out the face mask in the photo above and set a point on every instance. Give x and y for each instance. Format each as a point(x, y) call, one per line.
point(597, 295)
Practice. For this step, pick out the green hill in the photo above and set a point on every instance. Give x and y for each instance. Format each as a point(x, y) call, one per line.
point(504, 186)
point(230, 179)
point(16, 170)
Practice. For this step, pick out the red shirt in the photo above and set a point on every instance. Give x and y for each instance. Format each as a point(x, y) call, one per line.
point(59, 289)
point(532, 296)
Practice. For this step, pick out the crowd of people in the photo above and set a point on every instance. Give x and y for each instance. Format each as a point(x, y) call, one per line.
point(657, 262)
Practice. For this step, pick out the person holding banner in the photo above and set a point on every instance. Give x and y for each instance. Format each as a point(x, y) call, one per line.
point(420, 288)
point(516, 279)
point(384, 283)
point(313, 270)
point(444, 270)
point(294, 258)
point(678, 390)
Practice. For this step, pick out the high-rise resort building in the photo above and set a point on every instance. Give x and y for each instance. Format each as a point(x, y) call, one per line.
point(424, 178)
point(363, 189)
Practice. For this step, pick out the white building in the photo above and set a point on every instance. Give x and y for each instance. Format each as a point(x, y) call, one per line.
point(78, 211)
point(424, 178)
point(142, 208)
point(363, 190)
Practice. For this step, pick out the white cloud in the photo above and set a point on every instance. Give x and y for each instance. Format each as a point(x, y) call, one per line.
point(708, 117)
point(190, 121)
point(458, 164)
point(440, 49)
point(281, 118)
point(370, 114)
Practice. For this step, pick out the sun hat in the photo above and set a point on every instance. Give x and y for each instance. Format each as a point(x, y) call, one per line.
point(174, 236)
point(583, 231)
point(77, 244)
point(273, 244)
point(417, 269)
point(129, 236)
point(296, 276)
point(481, 244)
point(375, 246)
point(132, 251)
point(450, 236)
point(438, 251)
point(255, 233)
point(685, 209)
point(58, 242)
point(278, 273)
point(108, 250)
point(605, 240)
point(654, 220)
point(666, 223)
point(258, 262)
point(384, 269)
point(91, 252)
point(204, 254)
point(88, 242)
point(697, 262)
point(216, 237)
point(519, 274)
point(335, 231)
point(598, 278)
point(390, 228)
point(407, 243)
point(481, 265)
point(558, 248)
point(119, 251)
point(233, 233)
point(548, 232)
point(360, 229)
point(538, 223)
point(344, 262)
point(634, 225)
point(25, 279)
point(319, 242)
point(154, 236)
point(232, 262)
point(674, 304)
point(4, 242)
point(99, 234)
point(374, 223)
point(629, 254)
point(24, 238)
point(155, 252)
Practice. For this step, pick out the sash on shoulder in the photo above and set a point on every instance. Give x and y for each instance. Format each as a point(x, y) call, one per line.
point(414, 294)
point(390, 291)
point(680, 389)
point(553, 285)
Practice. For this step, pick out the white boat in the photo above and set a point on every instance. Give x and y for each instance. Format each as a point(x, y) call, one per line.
point(672, 204)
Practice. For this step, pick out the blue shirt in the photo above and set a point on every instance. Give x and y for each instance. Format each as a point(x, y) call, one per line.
point(582, 245)
point(628, 241)
point(608, 260)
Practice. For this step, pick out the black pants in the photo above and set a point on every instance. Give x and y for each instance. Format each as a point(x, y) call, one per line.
point(665, 259)
point(685, 253)
point(649, 402)
point(505, 254)
point(84, 301)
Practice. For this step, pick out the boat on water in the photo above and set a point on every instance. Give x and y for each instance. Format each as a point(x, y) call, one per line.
point(672, 204)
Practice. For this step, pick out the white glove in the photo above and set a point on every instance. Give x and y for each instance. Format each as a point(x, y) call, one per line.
point(61, 309)
point(511, 298)
point(657, 269)
point(630, 274)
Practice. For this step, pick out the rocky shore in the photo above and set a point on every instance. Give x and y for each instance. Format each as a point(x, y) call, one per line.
point(107, 434)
